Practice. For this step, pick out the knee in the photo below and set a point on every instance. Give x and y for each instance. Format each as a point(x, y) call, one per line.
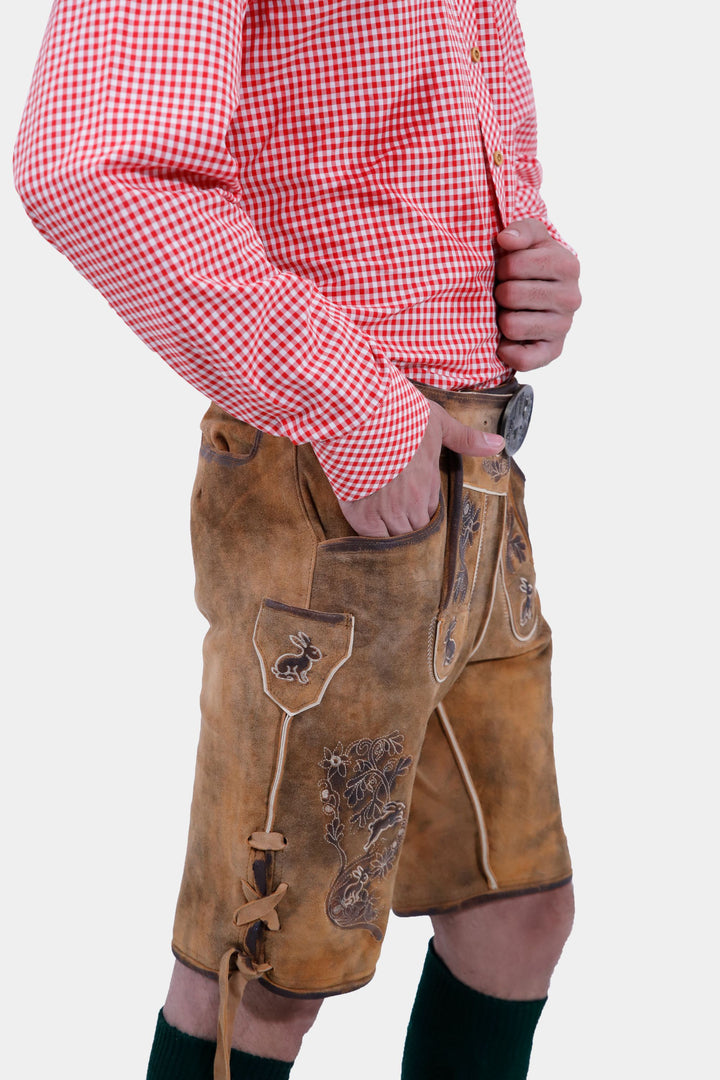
point(508, 947)
point(294, 1015)
point(271, 1025)
point(547, 915)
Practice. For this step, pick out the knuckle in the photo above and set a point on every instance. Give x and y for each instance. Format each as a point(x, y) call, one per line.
point(524, 360)
point(509, 323)
point(503, 294)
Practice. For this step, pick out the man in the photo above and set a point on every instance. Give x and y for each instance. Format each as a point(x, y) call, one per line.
point(327, 218)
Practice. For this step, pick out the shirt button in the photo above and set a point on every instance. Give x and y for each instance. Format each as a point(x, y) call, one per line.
point(498, 157)
point(475, 54)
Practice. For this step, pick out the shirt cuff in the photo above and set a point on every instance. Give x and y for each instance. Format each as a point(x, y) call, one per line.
point(373, 453)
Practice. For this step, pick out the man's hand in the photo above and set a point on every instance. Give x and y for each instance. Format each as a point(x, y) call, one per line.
point(409, 501)
point(537, 294)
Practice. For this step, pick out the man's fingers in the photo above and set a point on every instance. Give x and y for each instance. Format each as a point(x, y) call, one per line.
point(407, 502)
point(522, 234)
point(388, 520)
point(532, 295)
point(525, 326)
point(528, 356)
point(466, 440)
point(363, 517)
point(433, 501)
point(546, 262)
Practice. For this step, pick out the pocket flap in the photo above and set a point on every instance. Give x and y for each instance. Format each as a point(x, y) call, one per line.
point(300, 650)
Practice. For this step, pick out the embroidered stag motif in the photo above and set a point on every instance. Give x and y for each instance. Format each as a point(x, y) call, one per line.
point(469, 525)
point(449, 644)
point(358, 785)
point(296, 666)
point(528, 590)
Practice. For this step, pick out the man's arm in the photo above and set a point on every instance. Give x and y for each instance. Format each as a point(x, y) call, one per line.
point(537, 294)
point(409, 501)
point(122, 164)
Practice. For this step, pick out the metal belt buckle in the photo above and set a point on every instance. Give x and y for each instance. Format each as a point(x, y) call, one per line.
point(515, 419)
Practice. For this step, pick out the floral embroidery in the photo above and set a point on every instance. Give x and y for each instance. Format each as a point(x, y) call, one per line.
point(297, 665)
point(335, 763)
point(496, 467)
point(516, 546)
point(469, 525)
point(528, 591)
point(359, 782)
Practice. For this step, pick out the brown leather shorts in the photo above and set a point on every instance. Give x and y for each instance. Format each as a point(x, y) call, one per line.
point(376, 717)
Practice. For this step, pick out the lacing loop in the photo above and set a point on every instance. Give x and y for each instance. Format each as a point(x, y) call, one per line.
point(237, 969)
point(267, 841)
point(260, 908)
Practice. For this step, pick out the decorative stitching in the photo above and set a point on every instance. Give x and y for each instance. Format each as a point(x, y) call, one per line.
point(516, 546)
point(469, 526)
point(360, 780)
point(528, 590)
point(496, 467)
point(296, 666)
point(432, 631)
point(450, 644)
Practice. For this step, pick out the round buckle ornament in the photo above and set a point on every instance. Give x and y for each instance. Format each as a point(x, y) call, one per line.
point(515, 419)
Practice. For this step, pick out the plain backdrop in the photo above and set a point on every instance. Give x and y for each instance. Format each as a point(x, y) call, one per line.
point(101, 640)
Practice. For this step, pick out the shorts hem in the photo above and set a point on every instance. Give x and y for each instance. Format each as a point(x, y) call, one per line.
point(346, 988)
point(481, 898)
point(281, 991)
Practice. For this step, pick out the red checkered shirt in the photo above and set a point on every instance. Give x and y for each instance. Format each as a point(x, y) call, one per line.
point(292, 202)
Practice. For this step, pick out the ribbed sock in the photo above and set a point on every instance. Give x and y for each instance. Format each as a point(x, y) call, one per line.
point(177, 1056)
point(457, 1033)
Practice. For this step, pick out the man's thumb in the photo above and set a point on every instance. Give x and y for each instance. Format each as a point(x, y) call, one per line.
point(466, 440)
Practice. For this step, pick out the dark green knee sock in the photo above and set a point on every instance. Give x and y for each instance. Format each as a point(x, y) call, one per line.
point(456, 1033)
point(177, 1056)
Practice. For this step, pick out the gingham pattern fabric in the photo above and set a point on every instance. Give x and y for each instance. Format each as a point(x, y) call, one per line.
point(292, 202)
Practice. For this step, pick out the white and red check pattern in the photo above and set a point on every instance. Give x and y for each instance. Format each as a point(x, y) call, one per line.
point(292, 202)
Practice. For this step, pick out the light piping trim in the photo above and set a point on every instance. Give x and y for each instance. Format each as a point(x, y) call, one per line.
point(467, 780)
point(279, 769)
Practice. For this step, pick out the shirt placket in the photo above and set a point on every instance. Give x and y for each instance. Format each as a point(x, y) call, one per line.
point(487, 80)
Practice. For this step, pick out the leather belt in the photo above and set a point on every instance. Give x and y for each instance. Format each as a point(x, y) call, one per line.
point(505, 409)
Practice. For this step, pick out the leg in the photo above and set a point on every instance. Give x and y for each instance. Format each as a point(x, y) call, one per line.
point(266, 1024)
point(483, 987)
point(486, 788)
point(508, 947)
point(273, 809)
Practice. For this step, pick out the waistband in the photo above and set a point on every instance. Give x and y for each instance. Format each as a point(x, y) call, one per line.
point(504, 409)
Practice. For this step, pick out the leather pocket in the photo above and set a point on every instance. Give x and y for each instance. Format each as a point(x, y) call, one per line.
point(354, 542)
point(330, 526)
point(300, 651)
point(227, 440)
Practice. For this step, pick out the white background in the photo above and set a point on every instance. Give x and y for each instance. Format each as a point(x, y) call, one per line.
point(101, 641)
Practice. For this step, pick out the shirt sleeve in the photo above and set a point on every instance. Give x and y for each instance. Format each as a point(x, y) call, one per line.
point(122, 164)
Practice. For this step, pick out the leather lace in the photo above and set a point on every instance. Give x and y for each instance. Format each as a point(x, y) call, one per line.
point(237, 969)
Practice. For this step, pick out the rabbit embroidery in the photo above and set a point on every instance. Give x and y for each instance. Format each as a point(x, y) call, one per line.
point(296, 666)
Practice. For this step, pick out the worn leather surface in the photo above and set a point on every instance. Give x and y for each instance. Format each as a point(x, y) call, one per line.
point(327, 789)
